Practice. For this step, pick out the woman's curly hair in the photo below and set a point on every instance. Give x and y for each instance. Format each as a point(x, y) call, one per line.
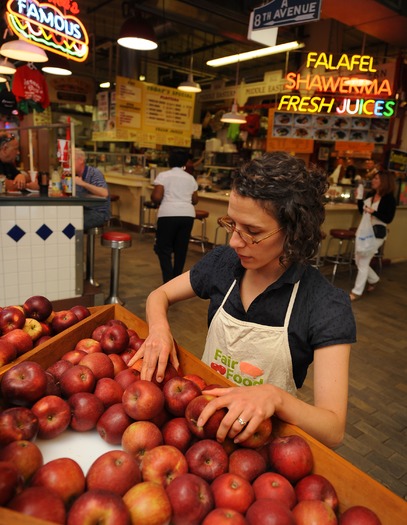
point(292, 194)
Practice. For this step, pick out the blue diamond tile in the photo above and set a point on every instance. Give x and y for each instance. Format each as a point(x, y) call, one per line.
point(16, 233)
point(69, 230)
point(44, 232)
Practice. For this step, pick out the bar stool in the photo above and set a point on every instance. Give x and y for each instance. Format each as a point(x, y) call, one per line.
point(201, 215)
point(92, 233)
point(148, 216)
point(116, 241)
point(115, 216)
point(220, 227)
point(344, 254)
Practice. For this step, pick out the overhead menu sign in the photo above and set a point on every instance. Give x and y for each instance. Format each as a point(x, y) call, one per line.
point(285, 12)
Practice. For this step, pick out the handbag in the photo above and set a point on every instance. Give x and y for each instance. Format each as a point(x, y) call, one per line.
point(365, 240)
point(380, 231)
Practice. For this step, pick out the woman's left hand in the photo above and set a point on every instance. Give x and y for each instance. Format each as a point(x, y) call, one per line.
point(247, 407)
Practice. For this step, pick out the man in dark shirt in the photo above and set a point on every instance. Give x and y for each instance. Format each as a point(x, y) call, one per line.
point(15, 180)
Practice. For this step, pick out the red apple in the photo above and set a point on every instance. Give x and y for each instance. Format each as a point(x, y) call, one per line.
point(46, 329)
point(42, 339)
point(98, 332)
point(74, 356)
point(163, 464)
point(53, 388)
point(131, 332)
point(17, 423)
point(169, 373)
point(176, 432)
point(108, 391)
point(118, 364)
point(96, 507)
point(116, 471)
point(78, 378)
point(140, 437)
point(193, 411)
point(276, 487)
point(115, 339)
point(248, 463)
point(191, 499)
point(231, 491)
point(178, 392)
point(24, 383)
point(291, 456)
point(80, 311)
point(58, 368)
point(112, 423)
point(112, 322)
point(143, 400)
point(41, 503)
point(99, 363)
point(8, 352)
point(10, 319)
point(33, 328)
point(359, 515)
point(316, 486)
point(208, 459)
point(62, 320)
point(126, 355)
point(25, 455)
point(135, 342)
point(161, 418)
point(63, 476)
point(224, 517)
point(198, 380)
point(11, 482)
point(125, 377)
point(260, 436)
point(269, 512)
point(148, 504)
point(314, 511)
point(21, 341)
point(54, 416)
point(85, 409)
point(88, 345)
point(37, 307)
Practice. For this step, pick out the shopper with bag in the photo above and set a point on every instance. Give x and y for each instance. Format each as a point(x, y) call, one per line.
point(378, 211)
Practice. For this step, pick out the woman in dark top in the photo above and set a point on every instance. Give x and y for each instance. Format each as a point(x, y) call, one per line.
point(380, 203)
point(270, 313)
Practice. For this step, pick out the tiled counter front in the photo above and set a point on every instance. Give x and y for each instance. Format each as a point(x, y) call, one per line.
point(41, 252)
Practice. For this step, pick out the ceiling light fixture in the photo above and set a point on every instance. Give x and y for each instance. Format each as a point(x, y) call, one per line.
point(6, 67)
point(24, 51)
point(137, 33)
point(257, 53)
point(234, 117)
point(189, 85)
point(57, 65)
point(104, 85)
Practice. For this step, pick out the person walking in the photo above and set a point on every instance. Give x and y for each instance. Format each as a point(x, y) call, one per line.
point(176, 192)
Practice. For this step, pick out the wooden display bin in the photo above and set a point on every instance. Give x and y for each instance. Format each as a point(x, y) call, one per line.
point(353, 486)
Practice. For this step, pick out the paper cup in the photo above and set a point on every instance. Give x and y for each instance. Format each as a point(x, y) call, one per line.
point(33, 175)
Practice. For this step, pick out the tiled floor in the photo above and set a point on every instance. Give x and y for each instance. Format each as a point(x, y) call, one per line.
point(376, 437)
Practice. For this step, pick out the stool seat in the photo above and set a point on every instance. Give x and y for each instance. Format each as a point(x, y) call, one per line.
point(148, 216)
point(342, 234)
point(201, 215)
point(116, 240)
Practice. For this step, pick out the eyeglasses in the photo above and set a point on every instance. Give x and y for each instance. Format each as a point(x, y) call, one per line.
point(227, 223)
point(6, 138)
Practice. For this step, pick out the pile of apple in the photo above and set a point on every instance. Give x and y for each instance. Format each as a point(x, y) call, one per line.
point(24, 327)
point(168, 470)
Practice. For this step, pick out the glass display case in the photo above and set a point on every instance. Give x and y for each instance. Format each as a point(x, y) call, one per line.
point(118, 163)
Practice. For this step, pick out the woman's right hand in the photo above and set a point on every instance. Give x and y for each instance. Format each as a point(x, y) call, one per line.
point(157, 349)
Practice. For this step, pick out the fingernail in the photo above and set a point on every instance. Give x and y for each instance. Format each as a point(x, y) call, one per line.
point(199, 422)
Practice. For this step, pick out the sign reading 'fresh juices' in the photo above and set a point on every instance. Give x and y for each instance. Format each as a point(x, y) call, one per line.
point(370, 100)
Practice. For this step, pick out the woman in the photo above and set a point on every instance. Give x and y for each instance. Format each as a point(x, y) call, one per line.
point(271, 314)
point(176, 191)
point(380, 203)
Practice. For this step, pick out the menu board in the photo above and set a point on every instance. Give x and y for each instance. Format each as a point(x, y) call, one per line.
point(149, 114)
point(330, 127)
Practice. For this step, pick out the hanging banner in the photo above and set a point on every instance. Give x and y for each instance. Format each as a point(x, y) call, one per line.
point(46, 26)
point(284, 13)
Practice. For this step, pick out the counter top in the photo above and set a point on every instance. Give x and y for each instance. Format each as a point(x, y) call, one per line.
point(35, 199)
point(126, 180)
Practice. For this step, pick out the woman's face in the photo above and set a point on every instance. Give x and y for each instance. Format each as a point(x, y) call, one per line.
point(376, 182)
point(251, 218)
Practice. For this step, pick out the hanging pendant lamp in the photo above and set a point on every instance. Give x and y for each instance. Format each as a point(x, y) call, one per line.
point(6, 67)
point(24, 51)
point(57, 65)
point(233, 116)
point(189, 86)
point(137, 33)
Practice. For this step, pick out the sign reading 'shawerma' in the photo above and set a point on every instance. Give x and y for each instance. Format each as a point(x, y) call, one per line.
point(52, 25)
point(334, 92)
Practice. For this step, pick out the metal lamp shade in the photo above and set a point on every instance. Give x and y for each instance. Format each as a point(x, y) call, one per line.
point(137, 33)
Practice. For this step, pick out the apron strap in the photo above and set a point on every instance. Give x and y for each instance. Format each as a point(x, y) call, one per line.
point(291, 304)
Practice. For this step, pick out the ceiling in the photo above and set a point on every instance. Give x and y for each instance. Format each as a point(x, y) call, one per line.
point(205, 29)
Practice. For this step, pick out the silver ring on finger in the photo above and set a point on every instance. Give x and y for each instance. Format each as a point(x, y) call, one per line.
point(241, 421)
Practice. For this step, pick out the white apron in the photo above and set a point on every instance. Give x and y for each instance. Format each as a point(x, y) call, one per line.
point(250, 353)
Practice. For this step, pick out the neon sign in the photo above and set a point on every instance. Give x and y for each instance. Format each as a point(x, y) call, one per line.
point(46, 26)
point(360, 104)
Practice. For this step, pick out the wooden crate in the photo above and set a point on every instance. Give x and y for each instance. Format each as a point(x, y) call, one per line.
point(353, 486)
